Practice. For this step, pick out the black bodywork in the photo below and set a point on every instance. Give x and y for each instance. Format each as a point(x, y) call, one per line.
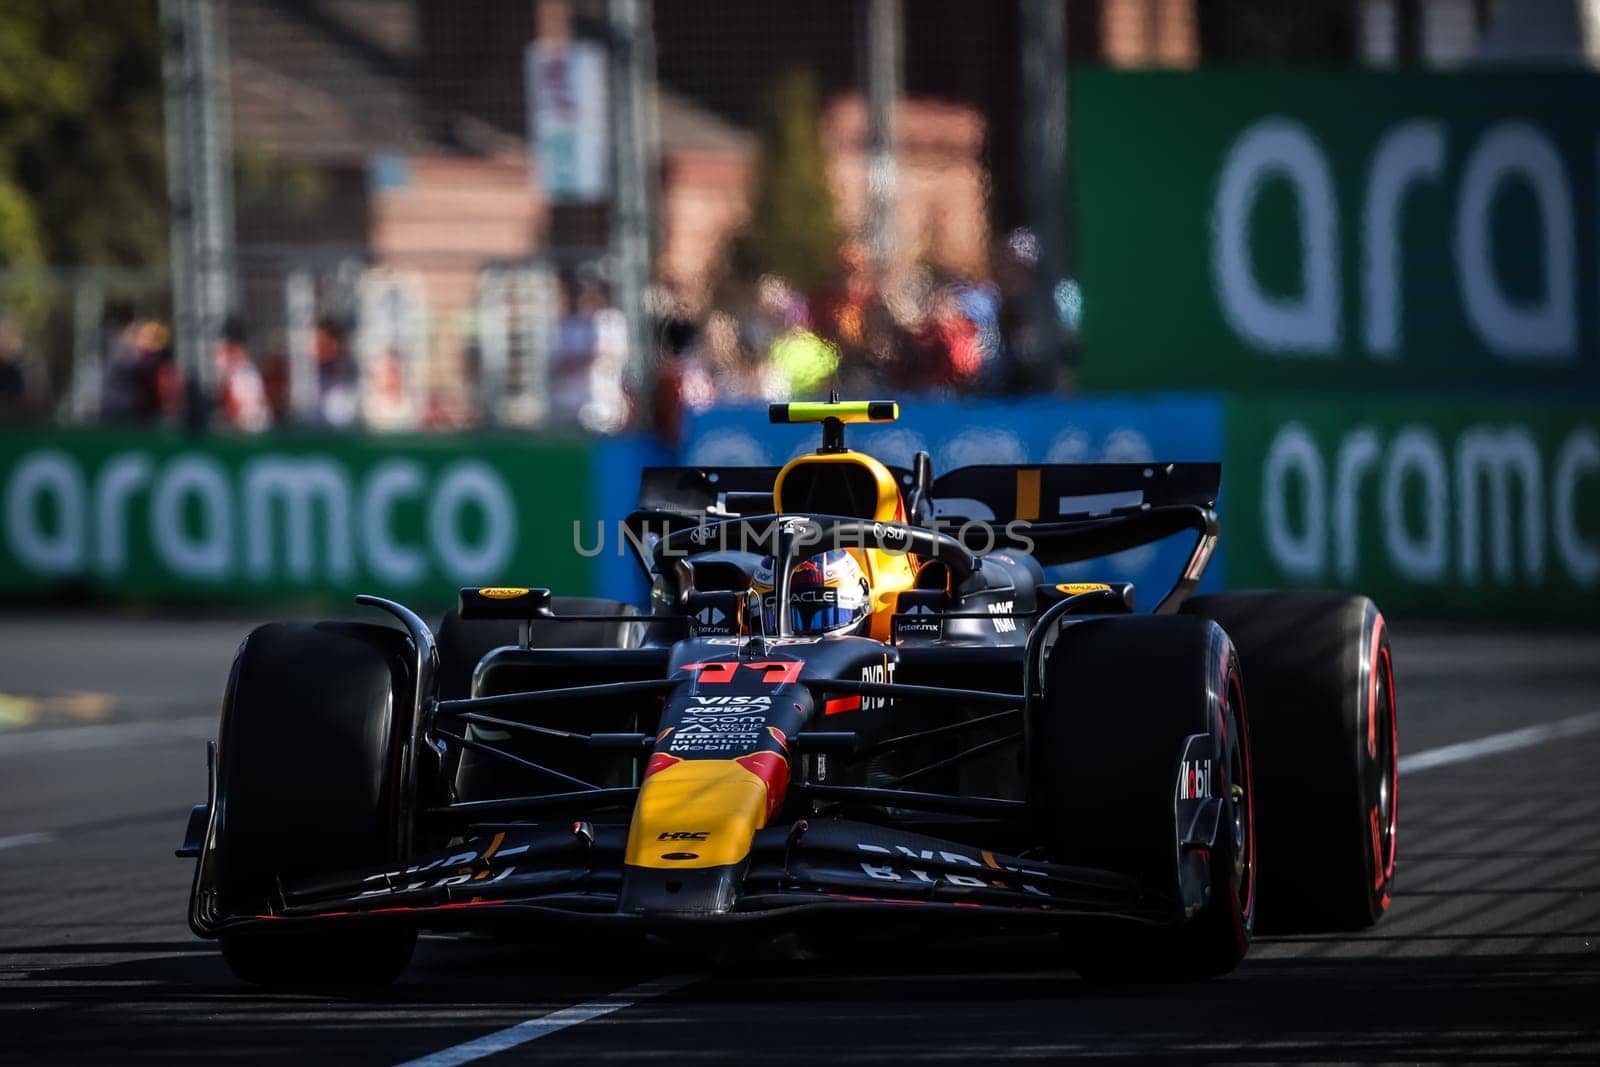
point(906, 762)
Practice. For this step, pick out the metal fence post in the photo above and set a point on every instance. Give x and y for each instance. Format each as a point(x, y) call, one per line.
point(199, 177)
point(1044, 140)
point(884, 86)
point(637, 171)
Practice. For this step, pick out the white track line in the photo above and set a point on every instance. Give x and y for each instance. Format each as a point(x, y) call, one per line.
point(1494, 744)
point(555, 1022)
point(107, 735)
point(18, 840)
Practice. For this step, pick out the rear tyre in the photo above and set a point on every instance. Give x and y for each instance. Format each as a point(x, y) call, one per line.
point(1122, 696)
point(310, 780)
point(463, 643)
point(1320, 685)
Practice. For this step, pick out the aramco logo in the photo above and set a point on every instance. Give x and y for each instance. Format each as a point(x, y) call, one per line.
point(279, 519)
point(1409, 161)
point(1482, 508)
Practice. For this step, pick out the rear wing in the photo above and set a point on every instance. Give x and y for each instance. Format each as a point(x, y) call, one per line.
point(1046, 492)
point(1087, 511)
point(1073, 511)
point(1064, 492)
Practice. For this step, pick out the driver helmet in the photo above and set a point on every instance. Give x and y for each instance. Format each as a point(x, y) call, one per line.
point(828, 594)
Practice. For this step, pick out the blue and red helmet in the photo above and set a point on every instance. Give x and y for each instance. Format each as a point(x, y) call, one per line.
point(828, 594)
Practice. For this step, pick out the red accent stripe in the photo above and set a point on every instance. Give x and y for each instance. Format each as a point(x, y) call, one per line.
point(834, 707)
point(659, 761)
point(778, 671)
point(454, 905)
point(773, 770)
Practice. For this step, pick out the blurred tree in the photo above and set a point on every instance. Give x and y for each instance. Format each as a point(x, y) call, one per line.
point(21, 244)
point(267, 182)
point(792, 229)
point(82, 168)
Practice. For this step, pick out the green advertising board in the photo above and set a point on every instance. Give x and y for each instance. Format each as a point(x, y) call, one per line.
point(1472, 509)
point(147, 515)
point(1263, 229)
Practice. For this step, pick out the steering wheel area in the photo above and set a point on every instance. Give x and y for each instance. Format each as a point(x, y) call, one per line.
point(789, 538)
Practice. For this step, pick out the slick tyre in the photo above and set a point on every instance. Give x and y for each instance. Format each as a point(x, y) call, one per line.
point(311, 780)
point(464, 642)
point(1121, 699)
point(1319, 681)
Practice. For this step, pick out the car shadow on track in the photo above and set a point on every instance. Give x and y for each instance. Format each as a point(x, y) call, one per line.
point(978, 1000)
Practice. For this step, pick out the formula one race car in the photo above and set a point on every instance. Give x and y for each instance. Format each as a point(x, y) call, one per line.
point(854, 703)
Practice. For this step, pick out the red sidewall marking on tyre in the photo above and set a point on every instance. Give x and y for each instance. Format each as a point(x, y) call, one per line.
point(1233, 697)
point(1381, 671)
point(1394, 771)
point(1372, 688)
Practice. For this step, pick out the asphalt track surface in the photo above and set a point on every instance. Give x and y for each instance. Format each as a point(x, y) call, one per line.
point(1491, 952)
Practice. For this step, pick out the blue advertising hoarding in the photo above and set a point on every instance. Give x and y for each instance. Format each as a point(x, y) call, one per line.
point(1184, 428)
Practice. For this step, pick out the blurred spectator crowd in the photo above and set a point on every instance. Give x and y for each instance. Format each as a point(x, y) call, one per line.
point(918, 330)
point(138, 380)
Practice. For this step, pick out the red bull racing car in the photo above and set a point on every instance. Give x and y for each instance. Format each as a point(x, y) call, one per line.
point(854, 702)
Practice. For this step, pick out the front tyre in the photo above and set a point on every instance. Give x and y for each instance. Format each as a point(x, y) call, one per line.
point(1110, 759)
point(310, 781)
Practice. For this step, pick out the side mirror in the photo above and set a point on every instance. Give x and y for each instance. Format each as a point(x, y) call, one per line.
point(719, 614)
point(919, 613)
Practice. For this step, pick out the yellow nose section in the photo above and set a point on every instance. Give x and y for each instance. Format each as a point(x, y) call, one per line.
point(696, 813)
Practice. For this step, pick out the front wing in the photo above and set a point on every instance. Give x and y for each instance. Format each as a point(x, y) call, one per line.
point(818, 870)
